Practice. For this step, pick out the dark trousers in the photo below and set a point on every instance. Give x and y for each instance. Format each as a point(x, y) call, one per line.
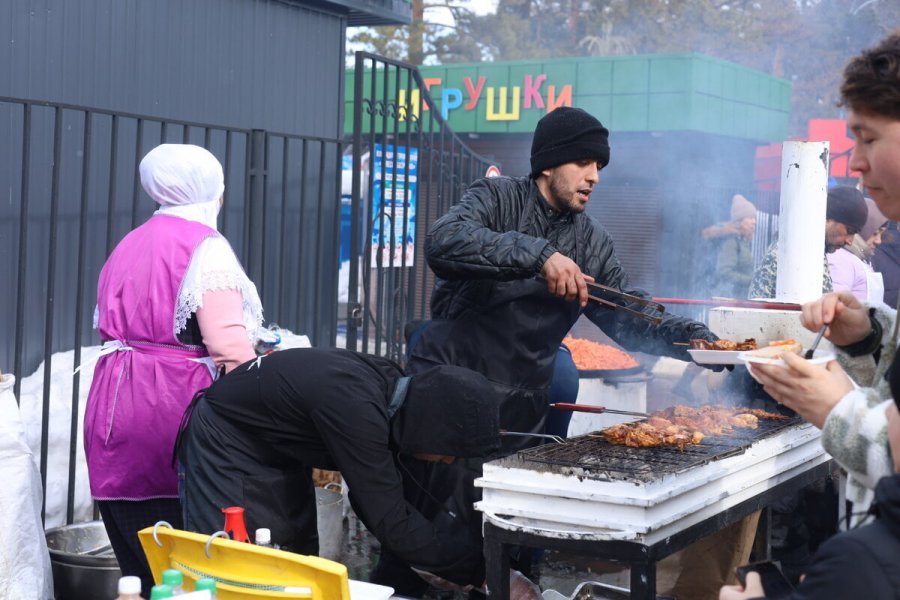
point(123, 519)
point(563, 388)
point(224, 466)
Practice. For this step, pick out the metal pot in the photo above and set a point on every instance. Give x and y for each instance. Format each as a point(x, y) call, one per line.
point(82, 560)
point(330, 521)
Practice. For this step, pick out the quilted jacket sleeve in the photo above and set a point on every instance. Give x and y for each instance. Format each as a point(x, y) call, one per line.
point(469, 242)
point(629, 331)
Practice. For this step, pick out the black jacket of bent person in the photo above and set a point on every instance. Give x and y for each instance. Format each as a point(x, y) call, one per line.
point(863, 562)
point(254, 437)
point(490, 312)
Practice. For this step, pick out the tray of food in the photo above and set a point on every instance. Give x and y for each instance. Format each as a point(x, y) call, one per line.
point(595, 360)
point(771, 354)
point(719, 352)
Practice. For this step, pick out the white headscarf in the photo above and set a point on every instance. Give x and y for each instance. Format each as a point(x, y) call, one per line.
point(185, 180)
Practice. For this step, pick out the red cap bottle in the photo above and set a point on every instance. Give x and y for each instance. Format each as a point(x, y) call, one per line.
point(234, 523)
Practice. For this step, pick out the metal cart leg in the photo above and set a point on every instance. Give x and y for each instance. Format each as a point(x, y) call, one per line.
point(643, 580)
point(762, 544)
point(496, 566)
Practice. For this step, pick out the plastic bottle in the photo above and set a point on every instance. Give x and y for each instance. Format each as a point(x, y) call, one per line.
point(174, 579)
point(129, 588)
point(158, 592)
point(206, 584)
point(234, 523)
point(263, 538)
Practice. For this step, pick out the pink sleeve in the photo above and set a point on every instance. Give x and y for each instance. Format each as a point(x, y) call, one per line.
point(221, 320)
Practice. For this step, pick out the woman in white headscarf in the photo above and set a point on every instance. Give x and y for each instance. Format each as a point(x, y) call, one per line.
point(174, 308)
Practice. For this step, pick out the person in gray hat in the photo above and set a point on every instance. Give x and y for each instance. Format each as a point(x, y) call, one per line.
point(512, 261)
point(845, 216)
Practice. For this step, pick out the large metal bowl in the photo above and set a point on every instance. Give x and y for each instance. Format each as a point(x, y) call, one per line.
point(83, 562)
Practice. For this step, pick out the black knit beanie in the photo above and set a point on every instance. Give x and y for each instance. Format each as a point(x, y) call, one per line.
point(846, 205)
point(565, 135)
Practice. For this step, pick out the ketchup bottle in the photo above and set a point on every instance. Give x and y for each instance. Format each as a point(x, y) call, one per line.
point(234, 523)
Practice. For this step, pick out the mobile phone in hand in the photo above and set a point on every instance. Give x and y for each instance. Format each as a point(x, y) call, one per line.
point(775, 585)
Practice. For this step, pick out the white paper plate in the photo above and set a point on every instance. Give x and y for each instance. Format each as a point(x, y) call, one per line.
point(716, 357)
point(820, 357)
point(363, 590)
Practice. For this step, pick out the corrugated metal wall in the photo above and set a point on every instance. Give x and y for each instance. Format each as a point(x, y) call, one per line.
point(242, 63)
point(239, 65)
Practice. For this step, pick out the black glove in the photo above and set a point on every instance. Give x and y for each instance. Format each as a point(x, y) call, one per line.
point(703, 333)
point(718, 368)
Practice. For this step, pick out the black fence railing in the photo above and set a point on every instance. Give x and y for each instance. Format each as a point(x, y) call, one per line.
point(409, 168)
point(71, 192)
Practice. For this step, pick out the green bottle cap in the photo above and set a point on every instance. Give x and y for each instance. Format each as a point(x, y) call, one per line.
point(172, 577)
point(158, 592)
point(205, 584)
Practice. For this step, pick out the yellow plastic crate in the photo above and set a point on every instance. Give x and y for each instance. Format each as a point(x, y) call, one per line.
point(242, 571)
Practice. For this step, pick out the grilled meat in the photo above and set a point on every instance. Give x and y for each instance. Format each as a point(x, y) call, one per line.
point(645, 435)
point(748, 344)
point(682, 425)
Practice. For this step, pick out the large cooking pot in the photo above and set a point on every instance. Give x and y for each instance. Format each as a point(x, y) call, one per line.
point(83, 562)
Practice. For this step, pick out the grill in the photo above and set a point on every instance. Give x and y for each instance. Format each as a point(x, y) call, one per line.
point(591, 456)
point(637, 505)
point(591, 489)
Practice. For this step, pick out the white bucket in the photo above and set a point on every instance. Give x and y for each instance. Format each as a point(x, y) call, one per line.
point(330, 521)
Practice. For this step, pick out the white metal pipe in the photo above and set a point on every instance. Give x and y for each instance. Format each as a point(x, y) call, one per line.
point(801, 221)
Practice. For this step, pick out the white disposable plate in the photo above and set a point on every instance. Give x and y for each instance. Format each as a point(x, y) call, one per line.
point(820, 357)
point(716, 357)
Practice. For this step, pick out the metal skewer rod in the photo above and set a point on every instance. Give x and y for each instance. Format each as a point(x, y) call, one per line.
point(733, 303)
point(546, 436)
point(595, 409)
point(656, 306)
point(653, 319)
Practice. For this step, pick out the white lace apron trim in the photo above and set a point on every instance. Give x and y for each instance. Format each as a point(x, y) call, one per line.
point(214, 266)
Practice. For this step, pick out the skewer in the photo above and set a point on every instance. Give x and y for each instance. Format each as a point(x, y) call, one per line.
point(636, 313)
point(629, 298)
point(733, 303)
point(546, 436)
point(595, 409)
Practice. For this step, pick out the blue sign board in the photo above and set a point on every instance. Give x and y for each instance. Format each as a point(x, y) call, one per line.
point(395, 171)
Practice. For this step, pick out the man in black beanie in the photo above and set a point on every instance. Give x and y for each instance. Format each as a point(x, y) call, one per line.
point(512, 259)
point(568, 135)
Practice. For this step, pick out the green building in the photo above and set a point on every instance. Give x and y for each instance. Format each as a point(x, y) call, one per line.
point(684, 129)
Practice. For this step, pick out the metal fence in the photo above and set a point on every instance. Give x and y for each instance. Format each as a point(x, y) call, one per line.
point(409, 168)
point(71, 192)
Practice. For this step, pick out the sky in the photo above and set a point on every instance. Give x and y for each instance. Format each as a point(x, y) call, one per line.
point(434, 15)
point(479, 7)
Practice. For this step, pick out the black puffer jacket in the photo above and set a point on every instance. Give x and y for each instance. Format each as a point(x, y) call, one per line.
point(252, 438)
point(490, 311)
point(864, 562)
